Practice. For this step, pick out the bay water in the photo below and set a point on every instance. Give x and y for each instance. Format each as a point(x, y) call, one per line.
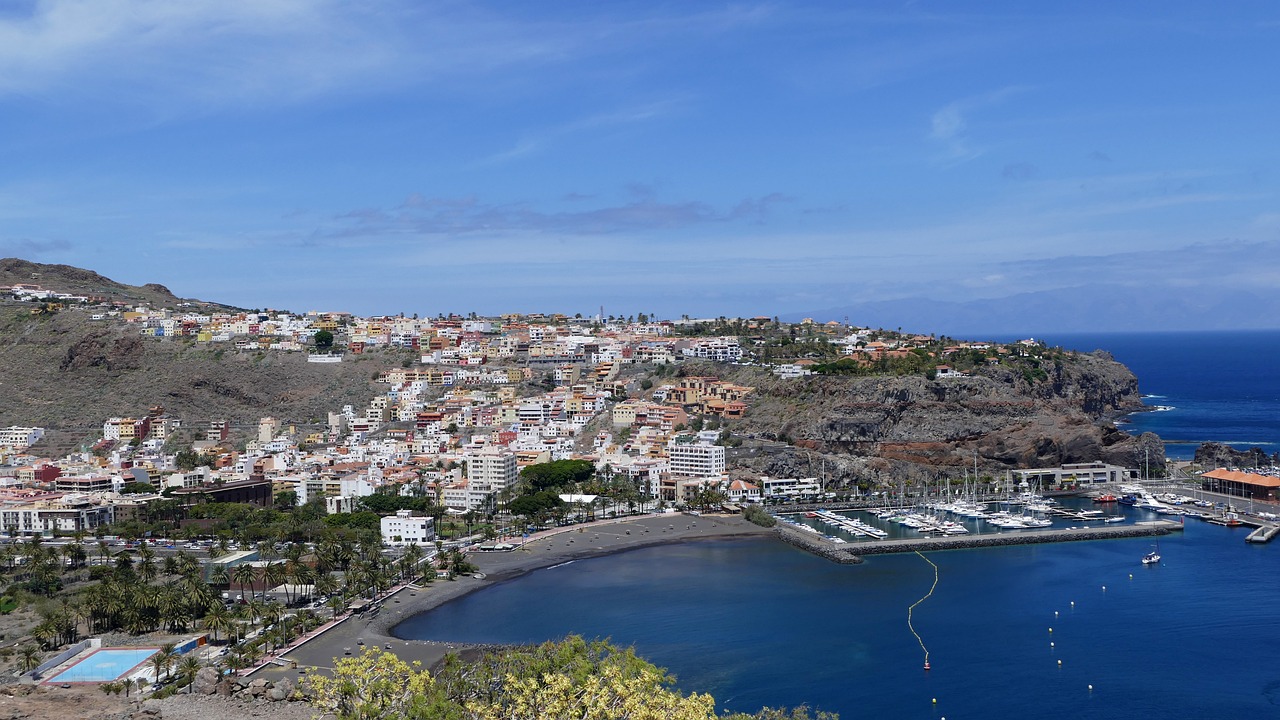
point(1020, 631)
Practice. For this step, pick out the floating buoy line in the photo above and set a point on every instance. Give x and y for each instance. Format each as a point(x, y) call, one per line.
point(912, 609)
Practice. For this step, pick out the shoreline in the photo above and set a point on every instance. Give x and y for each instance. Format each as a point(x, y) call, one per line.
point(579, 542)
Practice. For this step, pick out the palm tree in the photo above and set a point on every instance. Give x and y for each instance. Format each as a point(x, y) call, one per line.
point(218, 621)
point(164, 658)
point(187, 668)
point(244, 576)
point(28, 657)
point(273, 575)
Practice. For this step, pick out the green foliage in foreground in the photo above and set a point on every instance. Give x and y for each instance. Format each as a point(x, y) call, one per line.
point(573, 678)
point(757, 515)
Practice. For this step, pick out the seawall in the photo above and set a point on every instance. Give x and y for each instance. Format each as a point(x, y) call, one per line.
point(851, 553)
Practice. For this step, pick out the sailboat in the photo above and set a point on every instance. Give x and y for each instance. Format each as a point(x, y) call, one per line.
point(1152, 557)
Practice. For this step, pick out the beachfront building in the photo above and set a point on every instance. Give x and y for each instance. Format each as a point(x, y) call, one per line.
point(405, 528)
point(689, 456)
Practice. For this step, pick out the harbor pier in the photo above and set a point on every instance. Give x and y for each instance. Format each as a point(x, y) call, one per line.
point(848, 553)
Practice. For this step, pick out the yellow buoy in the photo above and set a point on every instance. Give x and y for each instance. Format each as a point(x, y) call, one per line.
point(935, 701)
point(1059, 662)
point(1090, 688)
point(1050, 629)
point(1050, 644)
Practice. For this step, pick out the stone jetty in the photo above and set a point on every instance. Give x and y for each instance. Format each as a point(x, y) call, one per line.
point(850, 553)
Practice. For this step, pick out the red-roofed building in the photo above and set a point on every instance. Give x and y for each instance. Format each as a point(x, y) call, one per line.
point(1241, 484)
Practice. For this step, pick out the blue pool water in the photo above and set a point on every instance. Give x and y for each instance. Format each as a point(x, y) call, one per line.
point(104, 665)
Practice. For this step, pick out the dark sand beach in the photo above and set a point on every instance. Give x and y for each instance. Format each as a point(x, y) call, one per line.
point(377, 627)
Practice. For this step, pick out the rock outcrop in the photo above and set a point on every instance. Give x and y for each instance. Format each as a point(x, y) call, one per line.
point(889, 429)
point(1215, 455)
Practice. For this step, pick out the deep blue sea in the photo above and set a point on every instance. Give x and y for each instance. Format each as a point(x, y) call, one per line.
point(756, 622)
point(1219, 386)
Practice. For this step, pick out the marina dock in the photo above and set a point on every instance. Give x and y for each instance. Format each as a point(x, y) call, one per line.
point(1263, 534)
point(853, 552)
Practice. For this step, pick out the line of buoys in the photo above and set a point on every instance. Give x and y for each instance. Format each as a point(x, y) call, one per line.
point(912, 609)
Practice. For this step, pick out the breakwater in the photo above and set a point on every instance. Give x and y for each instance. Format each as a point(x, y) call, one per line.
point(852, 553)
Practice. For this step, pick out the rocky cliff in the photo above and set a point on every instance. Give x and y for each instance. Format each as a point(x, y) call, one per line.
point(863, 429)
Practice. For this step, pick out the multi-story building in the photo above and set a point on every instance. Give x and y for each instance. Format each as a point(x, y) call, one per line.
point(20, 438)
point(67, 514)
point(490, 470)
point(689, 457)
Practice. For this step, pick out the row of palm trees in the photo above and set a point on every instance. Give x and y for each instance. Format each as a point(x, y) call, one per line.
point(137, 592)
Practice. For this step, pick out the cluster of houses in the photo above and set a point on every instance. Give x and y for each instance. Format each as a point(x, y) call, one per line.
point(453, 426)
point(462, 446)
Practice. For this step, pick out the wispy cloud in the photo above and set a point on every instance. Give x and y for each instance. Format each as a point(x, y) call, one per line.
point(542, 139)
point(420, 215)
point(215, 53)
point(949, 125)
point(27, 248)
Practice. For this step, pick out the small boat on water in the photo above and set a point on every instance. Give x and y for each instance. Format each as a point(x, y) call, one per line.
point(1105, 498)
point(811, 515)
point(1115, 519)
point(1152, 557)
point(1128, 500)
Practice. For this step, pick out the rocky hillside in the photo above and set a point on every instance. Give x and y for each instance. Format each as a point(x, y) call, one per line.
point(911, 427)
point(78, 281)
point(64, 370)
point(67, 371)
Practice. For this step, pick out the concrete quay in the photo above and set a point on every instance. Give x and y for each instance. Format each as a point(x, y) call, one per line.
point(853, 552)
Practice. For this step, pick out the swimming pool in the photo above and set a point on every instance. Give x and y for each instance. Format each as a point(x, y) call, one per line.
point(104, 665)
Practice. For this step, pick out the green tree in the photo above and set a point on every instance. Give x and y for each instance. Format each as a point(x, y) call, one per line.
point(323, 340)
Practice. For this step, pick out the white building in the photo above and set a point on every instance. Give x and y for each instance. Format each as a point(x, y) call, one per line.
point(792, 488)
point(692, 458)
point(20, 438)
point(403, 528)
point(491, 470)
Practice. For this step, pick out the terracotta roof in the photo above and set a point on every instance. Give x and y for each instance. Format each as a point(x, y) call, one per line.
point(1243, 477)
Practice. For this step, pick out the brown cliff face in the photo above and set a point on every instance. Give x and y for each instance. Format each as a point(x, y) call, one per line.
point(909, 427)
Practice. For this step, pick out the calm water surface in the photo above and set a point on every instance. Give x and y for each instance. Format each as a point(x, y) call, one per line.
point(756, 622)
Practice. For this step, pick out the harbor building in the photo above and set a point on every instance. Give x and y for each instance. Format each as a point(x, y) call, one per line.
point(1241, 484)
point(1090, 472)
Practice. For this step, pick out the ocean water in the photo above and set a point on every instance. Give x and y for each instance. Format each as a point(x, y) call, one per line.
point(1204, 386)
point(756, 622)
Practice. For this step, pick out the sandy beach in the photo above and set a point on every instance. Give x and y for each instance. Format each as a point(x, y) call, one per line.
point(544, 550)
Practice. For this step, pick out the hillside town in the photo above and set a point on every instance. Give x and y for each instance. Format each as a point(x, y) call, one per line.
point(475, 401)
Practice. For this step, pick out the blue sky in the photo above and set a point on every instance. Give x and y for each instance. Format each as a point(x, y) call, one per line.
point(673, 158)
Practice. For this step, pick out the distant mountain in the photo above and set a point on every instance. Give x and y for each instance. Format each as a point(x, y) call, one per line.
point(1080, 309)
point(74, 280)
